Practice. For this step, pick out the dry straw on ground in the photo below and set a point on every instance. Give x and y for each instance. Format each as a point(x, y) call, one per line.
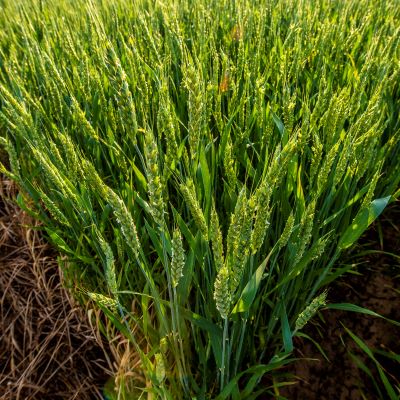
point(48, 349)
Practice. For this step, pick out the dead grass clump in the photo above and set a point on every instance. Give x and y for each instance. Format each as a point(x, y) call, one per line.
point(48, 349)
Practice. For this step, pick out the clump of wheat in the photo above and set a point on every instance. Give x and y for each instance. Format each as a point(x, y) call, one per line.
point(261, 224)
point(238, 240)
point(287, 231)
point(317, 150)
point(222, 292)
point(54, 210)
point(189, 195)
point(155, 188)
point(229, 164)
point(167, 125)
point(125, 221)
point(108, 262)
point(122, 214)
point(372, 186)
point(70, 154)
point(305, 231)
point(326, 168)
point(103, 300)
point(160, 367)
point(12, 156)
point(178, 258)
point(216, 239)
point(196, 107)
point(93, 179)
point(310, 310)
point(124, 100)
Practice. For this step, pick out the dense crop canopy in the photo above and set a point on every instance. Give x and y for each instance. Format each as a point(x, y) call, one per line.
point(202, 165)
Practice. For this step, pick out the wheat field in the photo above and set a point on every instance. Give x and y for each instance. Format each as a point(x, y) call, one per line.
point(202, 166)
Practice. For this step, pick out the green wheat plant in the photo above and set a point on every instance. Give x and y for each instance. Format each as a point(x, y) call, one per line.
point(202, 165)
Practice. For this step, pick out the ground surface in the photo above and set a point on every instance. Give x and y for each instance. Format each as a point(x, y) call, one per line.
point(48, 349)
point(375, 288)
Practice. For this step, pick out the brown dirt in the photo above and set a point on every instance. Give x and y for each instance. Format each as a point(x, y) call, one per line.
point(374, 287)
point(48, 348)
